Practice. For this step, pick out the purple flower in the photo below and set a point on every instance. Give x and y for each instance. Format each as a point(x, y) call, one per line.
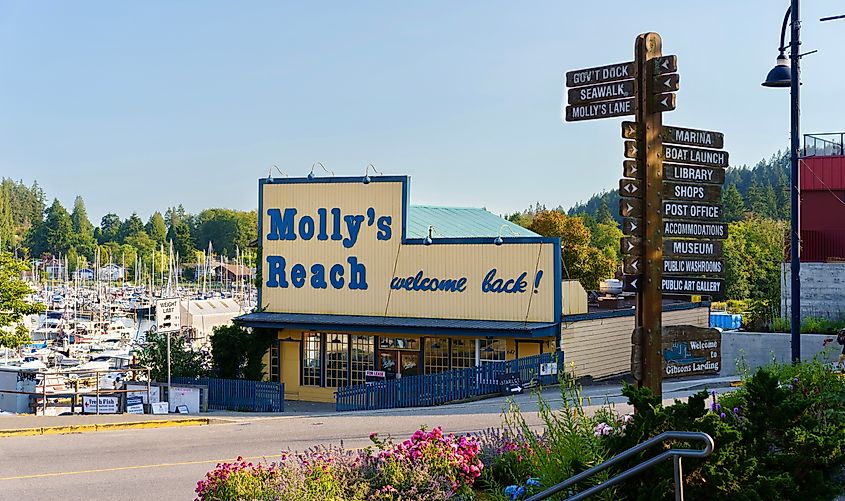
point(722, 415)
point(736, 410)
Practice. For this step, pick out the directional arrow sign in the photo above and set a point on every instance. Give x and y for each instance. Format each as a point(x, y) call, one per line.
point(694, 266)
point(631, 149)
point(618, 71)
point(684, 155)
point(602, 92)
point(632, 226)
point(665, 102)
point(692, 285)
point(679, 135)
point(630, 188)
point(630, 168)
point(630, 207)
point(691, 210)
point(632, 265)
point(693, 229)
point(604, 109)
point(694, 248)
point(631, 246)
point(632, 283)
point(667, 83)
point(694, 173)
point(693, 192)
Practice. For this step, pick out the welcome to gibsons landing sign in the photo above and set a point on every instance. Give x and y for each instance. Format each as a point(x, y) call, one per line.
point(340, 246)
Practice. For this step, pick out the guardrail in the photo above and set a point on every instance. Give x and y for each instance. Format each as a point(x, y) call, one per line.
point(240, 394)
point(443, 387)
point(827, 144)
point(674, 454)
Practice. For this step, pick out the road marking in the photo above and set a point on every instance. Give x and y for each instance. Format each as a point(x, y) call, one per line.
point(136, 467)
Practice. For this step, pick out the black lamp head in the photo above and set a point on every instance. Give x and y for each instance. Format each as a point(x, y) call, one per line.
point(780, 75)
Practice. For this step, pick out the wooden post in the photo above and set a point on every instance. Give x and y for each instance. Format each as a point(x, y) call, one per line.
point(650, 155)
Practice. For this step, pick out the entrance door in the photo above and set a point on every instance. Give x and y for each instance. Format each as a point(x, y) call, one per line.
point(396, 363)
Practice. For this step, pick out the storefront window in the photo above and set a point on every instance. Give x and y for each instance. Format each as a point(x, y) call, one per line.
point(436, 355)
point(492, 350)
point(311, 359)
point(275, 366)
point(463, 353)
point(363, 358)
point(337, 359)
point(399, 343)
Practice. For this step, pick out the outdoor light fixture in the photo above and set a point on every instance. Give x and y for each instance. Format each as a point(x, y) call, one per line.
point(367, 173)
point(270, 174)
point(780, 75)
point(311, 174)
point(428, 240)
point(499, 240)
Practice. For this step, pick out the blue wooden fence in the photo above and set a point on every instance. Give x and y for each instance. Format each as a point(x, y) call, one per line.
point(443, 387)
point(240, 394)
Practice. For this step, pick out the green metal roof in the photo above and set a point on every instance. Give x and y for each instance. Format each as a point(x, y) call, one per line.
point(460, 222)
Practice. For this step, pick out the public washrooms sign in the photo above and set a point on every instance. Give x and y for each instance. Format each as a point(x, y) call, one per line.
point(338, 246)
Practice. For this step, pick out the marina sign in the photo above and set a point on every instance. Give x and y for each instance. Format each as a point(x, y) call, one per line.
point(632, 226)
point(630, 188)
point(631, 246)
point(630, 207)
point(602, 92)
point(692, 192)
point(678, 285)
point(685, 155)
point(694, 173)
point(694, 266)
point(691, 210)
point(606, 109)
point(694, 248)
point(630, 168)
point(694, 229)
point(680, 135)
point(618, 71)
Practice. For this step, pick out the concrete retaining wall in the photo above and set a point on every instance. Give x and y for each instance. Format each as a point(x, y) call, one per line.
point(759, 348)
point(822, 290)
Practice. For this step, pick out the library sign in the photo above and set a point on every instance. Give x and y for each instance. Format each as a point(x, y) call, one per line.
point(338, 246)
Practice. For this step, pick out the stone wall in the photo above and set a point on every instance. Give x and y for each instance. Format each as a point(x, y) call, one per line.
point(822, 290)
point(760, 348)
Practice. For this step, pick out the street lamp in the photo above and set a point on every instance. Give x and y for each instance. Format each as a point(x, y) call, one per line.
point(783, 75)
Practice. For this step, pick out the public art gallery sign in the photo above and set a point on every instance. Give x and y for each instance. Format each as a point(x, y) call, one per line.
point(338, 246)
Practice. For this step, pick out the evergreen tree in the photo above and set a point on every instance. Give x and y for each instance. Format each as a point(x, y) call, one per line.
point(132, 227)
point(732, 204)
point(58, 229)
point(756, 200)
point(156, 229)
point(109, 228)
point(772, 209)
point(83, 229)
point(604, 216)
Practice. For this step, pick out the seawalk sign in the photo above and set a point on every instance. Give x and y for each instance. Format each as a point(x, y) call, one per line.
point(339, 246)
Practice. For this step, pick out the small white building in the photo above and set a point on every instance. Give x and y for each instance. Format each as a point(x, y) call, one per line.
point(111, 272)
point(202, 315)
point(84, 274)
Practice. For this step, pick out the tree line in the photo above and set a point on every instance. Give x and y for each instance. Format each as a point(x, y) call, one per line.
point(31, 228)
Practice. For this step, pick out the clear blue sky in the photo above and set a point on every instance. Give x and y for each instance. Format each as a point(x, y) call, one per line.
point(140, 105)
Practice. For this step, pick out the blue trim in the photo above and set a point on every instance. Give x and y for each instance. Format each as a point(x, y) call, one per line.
point(259, 264)
point(558, 295)
point(629, 312)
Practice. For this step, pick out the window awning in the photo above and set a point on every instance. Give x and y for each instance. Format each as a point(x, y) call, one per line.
point(400, 325)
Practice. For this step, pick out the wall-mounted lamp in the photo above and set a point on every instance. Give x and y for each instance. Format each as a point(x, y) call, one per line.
point(311, 174)
point(270, 174)
point(499, 240)
point(428, 240)
point(367, 173)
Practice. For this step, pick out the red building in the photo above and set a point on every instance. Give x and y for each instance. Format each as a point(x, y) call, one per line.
point(822, 183)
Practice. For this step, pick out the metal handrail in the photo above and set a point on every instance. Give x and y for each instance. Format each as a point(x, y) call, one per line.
point(675, 454)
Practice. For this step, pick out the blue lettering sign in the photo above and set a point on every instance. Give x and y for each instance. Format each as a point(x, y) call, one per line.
point(356, 279)
point(420, 282)
point(498, 285)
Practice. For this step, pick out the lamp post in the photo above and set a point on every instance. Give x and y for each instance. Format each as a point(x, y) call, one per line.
point(783, 75)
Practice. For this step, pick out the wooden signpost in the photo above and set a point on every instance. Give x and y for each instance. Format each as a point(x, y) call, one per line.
point(678, 199)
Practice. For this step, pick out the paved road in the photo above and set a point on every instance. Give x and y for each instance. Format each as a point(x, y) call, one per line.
point(165, 463)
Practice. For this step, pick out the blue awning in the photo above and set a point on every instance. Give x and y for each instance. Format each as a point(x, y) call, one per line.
point(399, 325)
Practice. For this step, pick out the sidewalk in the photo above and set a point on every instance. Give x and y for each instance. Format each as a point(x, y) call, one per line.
point(27, 424)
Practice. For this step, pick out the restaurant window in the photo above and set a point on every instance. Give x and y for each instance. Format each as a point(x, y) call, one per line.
point(399, 343)
point(337, 359)
point(311, 359)
point(463, 353)
point(436, 355)
point(492, 350)
point(274, 362)
point(363, 358)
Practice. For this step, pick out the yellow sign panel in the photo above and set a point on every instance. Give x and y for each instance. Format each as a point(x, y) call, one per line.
point(337, 246)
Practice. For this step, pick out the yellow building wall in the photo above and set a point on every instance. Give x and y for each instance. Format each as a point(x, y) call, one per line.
point(385, 260)
point(602, 347)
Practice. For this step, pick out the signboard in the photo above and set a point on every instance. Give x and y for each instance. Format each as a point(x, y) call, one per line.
point(696, 156)
point(667, 83)
point(606, 109)
point(694, 248)
point(630, 188)
point(631, 246)
point(690, 210)
point(374, 376)
point(510, 383)
point(632, 226)
point(108, 405)
point(694, 229)
point(618, 71)
point(338, 246)
point(631, 265)
point(168, 315)
point(134, 404)
point(692, 192)
point(691, 351)
point(548, 369)
point(665, 102)
point(602, 92)
point(630, 207)
point(630, 168)
point(698, 174)
point(694, 266)
point(159, 408)
point(678, 285)
point(680, 135)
